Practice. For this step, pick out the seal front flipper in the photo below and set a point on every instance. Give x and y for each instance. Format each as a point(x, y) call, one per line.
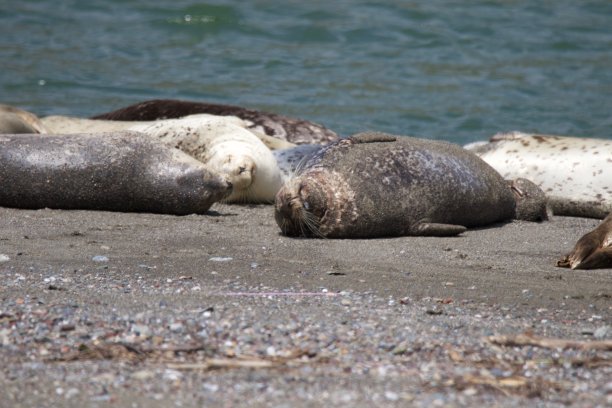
point(371, 137)
point(433, 229)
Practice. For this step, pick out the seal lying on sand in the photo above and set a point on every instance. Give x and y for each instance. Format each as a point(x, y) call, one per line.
point(70, 124)
point(15, 120)
point(296, 131)
point(373, 185)
point(221, 142)
point(227, 149)
point(575, 173)
point(593, 250)
point(115, 172)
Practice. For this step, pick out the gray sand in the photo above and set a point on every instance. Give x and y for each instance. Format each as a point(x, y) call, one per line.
point(115, 309)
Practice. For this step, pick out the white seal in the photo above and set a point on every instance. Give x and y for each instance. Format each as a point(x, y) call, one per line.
point(574, 173)
point(226, 148)
point(223, 142)
point(59, 124)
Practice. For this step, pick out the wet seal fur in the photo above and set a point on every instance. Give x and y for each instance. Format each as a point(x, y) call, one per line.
point(574, 173)
point(593, 250)
point(113, 172)
point(221, 142)
point(296, 131)
point(374, 185)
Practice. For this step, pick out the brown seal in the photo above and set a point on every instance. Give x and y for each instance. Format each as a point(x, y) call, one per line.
point(593, 250)
point(374, 184)
point(15, 120)
point(293, 130)
point(114, 171)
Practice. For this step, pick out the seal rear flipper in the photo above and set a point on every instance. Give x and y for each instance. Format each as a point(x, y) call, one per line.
point(372, 137)
point(601, 258)
point(433, 229)
point(593, 250)
point(587, 254)
point(531, 202)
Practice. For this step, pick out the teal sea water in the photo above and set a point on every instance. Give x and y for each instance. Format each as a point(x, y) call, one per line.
point(459, 70)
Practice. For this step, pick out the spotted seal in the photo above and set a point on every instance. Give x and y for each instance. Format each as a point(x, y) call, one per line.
point(71, 124)
point(297, 131)
point(375, 184)
point(290, 160)
point(593, 250)
point(221, 142)
point(15, 120)
point(230, 150)
point(573, 172)
point(114, 172)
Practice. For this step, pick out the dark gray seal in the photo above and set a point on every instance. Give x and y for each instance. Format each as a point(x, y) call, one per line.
point(593, 250)
point(373, 185)
point(104, 171)
point(296, 131)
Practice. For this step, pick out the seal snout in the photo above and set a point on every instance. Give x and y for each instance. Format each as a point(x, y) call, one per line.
point(286, 211)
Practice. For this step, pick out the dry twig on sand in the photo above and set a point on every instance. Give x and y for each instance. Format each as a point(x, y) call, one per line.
point(530, 340)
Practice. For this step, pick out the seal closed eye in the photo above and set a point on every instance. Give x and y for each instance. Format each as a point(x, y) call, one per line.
point(374, 184)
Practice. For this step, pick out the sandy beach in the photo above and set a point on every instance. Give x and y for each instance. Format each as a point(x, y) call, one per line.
point(135, 310)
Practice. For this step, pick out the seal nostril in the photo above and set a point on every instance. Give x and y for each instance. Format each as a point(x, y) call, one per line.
point(241, 169)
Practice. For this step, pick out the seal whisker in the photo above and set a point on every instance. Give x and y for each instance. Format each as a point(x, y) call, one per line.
point(312, 223)
point(374, 185)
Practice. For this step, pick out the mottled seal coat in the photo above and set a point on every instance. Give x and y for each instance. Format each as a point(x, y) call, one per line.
point(71, 124)
point(221, 142)
point(228, 149)
point(374, 184)
point(115, 172)
point(291, 160)
point(15, 120)
point(575, 173)
point(593, 250)
point(296, 131)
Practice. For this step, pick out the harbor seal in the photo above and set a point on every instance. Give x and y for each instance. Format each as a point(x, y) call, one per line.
point(297, 131)
point(15, 120)
point(593, 250)
point(573, 172)
point(113, 172)
point(71, 124)
point(228, 149)
point(375, 184)
point(221, 142)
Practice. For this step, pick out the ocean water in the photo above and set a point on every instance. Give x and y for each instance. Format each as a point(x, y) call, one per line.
point(458, 70)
